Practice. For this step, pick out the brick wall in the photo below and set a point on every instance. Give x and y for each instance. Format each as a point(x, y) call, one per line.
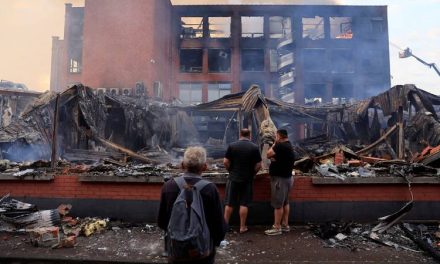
point(304, 190)
point(70, 187)
point(124, 42)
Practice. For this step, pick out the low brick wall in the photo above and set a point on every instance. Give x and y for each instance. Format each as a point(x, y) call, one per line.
point(306, 197)
point(69, 186)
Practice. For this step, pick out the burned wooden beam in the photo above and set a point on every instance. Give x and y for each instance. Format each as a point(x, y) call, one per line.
point(124, 150)
point(91, 155)
point(53, 158)
point(377, 142)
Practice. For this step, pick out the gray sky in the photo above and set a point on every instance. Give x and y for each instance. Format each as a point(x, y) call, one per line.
point(26, 28)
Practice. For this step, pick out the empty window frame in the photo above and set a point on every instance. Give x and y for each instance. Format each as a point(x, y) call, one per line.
point(219, 27)
point(190, 93)
point(74, 66)
point(191, 27)
point(342, 92)
point(315, 60)
point(377, 25)
point(313, 28)
point(252, 59)
point(191, 60)
point(371, 60)
point(218, 90)
point(219, 60)
point(314, 93)
point(273, 56)
point(279, 26)
point(341, 28)
point(158, 89)
point(342, 61)
point(252, 27)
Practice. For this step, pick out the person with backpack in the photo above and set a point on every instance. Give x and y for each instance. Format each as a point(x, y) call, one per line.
point(243, 161)
point(191, 213)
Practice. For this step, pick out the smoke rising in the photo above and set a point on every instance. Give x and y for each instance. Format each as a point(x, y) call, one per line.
point(26, 29)
point(27, 26)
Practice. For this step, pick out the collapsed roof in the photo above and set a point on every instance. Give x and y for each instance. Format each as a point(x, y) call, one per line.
point(91, 121)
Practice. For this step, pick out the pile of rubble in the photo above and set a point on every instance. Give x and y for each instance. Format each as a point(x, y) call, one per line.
point(405, 236)
point(22, 169)
point(342, 163)
point(396, 132)
point(46, 228)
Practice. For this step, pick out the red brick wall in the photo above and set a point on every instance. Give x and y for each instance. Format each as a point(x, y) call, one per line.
point(124, 42)
point(304, 190)
point(70, 187)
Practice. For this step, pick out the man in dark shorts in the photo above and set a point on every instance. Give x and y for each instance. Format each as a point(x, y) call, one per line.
point(280, 171)
point(243, 161)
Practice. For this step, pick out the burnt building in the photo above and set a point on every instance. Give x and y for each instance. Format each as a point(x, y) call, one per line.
point(199, 53)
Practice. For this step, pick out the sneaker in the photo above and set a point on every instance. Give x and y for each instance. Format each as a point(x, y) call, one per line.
point(273, 231)
point(285, 228)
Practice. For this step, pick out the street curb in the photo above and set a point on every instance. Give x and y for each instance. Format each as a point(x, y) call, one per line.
point(49, 260)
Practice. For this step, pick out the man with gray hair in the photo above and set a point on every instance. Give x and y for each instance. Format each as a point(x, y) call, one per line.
point(194, 163)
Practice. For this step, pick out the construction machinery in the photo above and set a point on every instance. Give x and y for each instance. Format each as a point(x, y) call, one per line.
point(408, 53)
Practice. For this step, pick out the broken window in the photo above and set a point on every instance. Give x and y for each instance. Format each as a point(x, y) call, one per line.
point(218, 90)
point(252, 60)
point(342, 92)
point(372, 60)
point(341, 28)
point(273, 56)
point(377, 25)
point(314, 93)
point(342, 61)
point(191, 27)
point(191, 60)
point(190, 93)
point(74, 66)
point(315, 60)
point(74, 35)
point(313, 27)
point(279, 26)
point(219, 27)
point(252, 27)
point(158, 89)
point(219, 60)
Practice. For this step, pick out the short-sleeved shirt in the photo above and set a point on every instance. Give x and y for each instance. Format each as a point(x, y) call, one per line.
point(243, 156)
point(282, 166)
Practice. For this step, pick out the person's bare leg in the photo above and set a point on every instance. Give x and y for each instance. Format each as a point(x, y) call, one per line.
point(278, 215)
point(228, 213)
point(285, 217)
point(243, 217)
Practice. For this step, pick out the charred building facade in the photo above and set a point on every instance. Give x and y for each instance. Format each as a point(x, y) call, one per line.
point(196, 54)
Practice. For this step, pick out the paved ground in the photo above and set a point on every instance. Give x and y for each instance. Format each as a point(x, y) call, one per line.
point(144, 245)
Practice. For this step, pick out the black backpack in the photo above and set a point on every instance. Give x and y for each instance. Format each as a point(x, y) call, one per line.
point(188, 236)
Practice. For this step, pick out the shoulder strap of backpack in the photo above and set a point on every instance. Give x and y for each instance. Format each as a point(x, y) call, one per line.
point(180, 182)
point(201, 184)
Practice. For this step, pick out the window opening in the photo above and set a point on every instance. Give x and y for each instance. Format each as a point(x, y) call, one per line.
point(191, 27)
